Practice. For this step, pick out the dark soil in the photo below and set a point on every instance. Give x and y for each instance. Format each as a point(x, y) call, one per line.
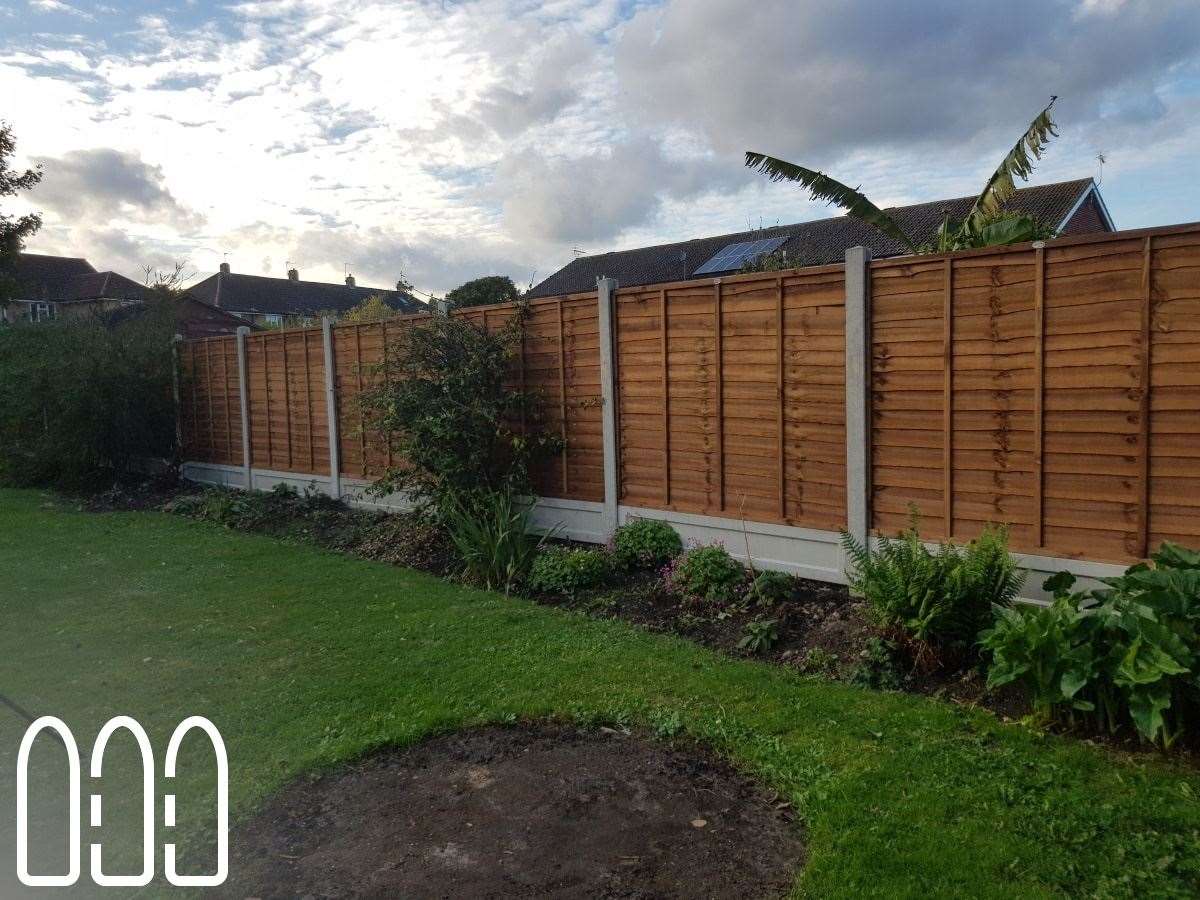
point(519, 812)
point(822, 631)
point(134, 496)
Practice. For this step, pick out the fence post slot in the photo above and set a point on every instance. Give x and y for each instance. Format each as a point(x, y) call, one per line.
point(606, 298)
point(858, 392)
point(244, 397)
point(177, 394)
point(335, 455)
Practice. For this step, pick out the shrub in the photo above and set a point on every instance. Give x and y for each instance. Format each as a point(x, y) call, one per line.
point(939, 599)
point(85, 400)
point(282, 511)
point(769, 588)
point(558, 570)
point(646, 543)
point(443, 399)
point(707, 573)
point(1128, 653)
point(493, 539)
point(819, 661)
point(759, 635)
point(878, 666)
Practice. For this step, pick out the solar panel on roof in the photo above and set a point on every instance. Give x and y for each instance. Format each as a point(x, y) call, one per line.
point(732, 257)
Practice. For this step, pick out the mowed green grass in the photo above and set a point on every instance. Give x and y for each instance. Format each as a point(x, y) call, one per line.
point(304, 658)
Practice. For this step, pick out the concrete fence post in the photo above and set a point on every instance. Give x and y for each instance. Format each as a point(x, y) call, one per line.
point(244, 399)
point(606, 289)
point(335, 455)
point(858, 392)
point(177, 394)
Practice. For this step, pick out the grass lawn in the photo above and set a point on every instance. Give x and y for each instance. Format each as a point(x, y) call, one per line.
point(303, 658)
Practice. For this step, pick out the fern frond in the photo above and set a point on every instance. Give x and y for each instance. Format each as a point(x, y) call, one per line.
point(822, 187)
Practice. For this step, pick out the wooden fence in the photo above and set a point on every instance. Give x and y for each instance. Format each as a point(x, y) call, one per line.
point(287, 397)
point(1055, 389)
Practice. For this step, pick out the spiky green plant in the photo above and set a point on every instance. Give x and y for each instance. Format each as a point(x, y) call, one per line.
point(986, 223)
point(493, 537)
point(941, 598)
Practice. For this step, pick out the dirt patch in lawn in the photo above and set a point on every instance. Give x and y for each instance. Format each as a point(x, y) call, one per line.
point(515, 812)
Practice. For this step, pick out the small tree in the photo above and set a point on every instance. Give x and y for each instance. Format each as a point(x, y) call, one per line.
point(443, 399)
point(483, 292)
point(167, 283)
point(13, 229)
point(373, 309)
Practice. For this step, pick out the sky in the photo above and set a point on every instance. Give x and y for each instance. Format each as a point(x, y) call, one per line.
point(447, 140)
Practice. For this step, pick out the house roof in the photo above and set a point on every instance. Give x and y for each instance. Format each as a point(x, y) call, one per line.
point(65, 279)
point(815, 243)
point(281, 296)
point(193, 318)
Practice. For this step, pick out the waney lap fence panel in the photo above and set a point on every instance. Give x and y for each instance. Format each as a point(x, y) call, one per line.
point(285, 385)
point(558, 363)
point(361, 353)
point(1052, 389)
point(731, 397)
point(210, 409)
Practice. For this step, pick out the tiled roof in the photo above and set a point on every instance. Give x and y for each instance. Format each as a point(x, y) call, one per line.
point(814, 243)
point(258, 294)
point(70, 278)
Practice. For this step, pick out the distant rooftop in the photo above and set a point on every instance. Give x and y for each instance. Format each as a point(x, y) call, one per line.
point(261, 295)
point(1075, 207)
point(63, 279)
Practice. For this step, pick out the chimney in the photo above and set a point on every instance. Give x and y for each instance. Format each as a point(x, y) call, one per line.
point(350, 280)
point(224, 268)
point(293, 275)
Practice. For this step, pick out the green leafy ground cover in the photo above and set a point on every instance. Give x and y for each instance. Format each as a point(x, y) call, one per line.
point(305, 658)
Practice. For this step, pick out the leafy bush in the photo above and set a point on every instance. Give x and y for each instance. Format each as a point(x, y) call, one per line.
point(443, 398)
point(819, 661)
point(941, 598)
point(85, 400)
point(646, 544)
point(759, 635)
point(559, 570)
point(282, 511)
point(1128, 653)
point(706, 573)
point(493, 539)
point(878, 666)
point(769, 588)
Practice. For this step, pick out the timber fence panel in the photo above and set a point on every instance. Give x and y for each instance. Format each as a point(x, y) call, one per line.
point(559, 363)
point(1054, 388)
point(210, 414)
point(1173, 475)
point(731, 397)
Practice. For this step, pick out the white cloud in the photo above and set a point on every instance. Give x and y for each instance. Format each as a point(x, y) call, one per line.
point(452, 140)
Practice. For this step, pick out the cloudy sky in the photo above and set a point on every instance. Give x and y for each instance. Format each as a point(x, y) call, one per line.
point(447, 139)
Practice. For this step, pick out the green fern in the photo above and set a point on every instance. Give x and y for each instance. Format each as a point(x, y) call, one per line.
point(941, 598)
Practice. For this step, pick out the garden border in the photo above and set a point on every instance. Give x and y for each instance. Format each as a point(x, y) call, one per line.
point(807, 552)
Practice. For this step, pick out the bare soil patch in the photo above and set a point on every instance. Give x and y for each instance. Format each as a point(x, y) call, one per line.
point(518, 812)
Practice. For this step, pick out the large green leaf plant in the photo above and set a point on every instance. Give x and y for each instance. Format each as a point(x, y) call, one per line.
point(1126, 653)
point(986, 224)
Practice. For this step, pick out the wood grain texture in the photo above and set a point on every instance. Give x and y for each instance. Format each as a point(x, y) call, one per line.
point(1053, 389)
